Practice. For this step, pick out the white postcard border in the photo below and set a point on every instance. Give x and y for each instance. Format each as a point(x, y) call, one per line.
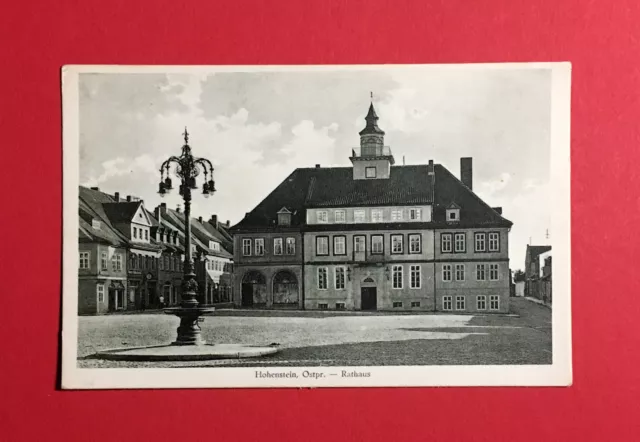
point(559, 373)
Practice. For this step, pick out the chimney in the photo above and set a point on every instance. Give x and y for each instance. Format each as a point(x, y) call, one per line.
point(128, 198)
point(96, 188)
point(116, 196)
point(430, 170)
point(466, 172)
point(228, 224)
point(317, 166)
point(178, 208)
point(498, 210)
point(200, 219)
point(214, 221)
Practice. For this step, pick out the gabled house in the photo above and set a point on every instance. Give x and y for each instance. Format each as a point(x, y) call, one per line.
point(211, 260)
point(102, 271)
point(538, 273)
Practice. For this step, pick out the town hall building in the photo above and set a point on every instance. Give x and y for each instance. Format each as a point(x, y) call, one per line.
point(374, 236)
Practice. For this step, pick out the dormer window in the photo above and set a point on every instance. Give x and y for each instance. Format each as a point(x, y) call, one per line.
point(370, 172)
point(284, 217)
point(453, 213)
point(96, 224)
point(214, 246)
point(322, 216)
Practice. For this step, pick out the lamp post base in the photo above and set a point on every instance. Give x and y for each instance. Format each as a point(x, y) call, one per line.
point(189, 332)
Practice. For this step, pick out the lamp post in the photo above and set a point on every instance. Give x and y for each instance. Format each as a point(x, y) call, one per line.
point(187, 168)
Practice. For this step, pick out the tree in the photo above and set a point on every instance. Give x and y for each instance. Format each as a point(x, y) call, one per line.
point(518, 276)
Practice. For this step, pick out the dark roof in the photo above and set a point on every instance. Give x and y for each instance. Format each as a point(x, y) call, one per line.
point(90, 207)
point(534, 251)
point(198, 232)
point(121, 212)
point(372, 123)
point(406, 185)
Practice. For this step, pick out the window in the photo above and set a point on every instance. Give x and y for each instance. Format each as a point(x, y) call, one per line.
point(339, 245)
point(104, 261)
point(396, 215)
point(146, 234)
point(284, 218)
point(376, 215)
point(397, 304)
point(493, 272)
point(339, 278)
point(460, 240)
point(323, 306)
point(277, 246)
point(359, 244)
point(340, 305)
point(377, 244)
point(453, 215)
point(415, 214)
point(415, 277)
point(415, 245)
point(459, 272)
point(446, 272)
point(322, 245)
point(84, 260)
point(481, 302)
point(340, 216)
point(322, 278)
point(494, 302)
point(291, 246)
point(322, 216)
point(96, 224)
point(415, 303)
point(246, 247)
point(135, 233)
point(358, 216)
point(259, 245)
point(117, 262)
point(480, 272)
point(460, 303)
point(397, 244)
point(445, 243)
point(480, 242)
point(370, 172)
point(100, 292)
point(446, 303)
point(396, 278)
point(494, 242)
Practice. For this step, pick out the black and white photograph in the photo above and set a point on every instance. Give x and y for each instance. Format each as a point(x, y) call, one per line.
point(316, 226)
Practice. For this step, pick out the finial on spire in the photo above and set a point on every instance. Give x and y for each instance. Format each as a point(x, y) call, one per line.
point(186, 135)
point(371, 93)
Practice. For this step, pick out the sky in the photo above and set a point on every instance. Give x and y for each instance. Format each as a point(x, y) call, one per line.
point(257, 127)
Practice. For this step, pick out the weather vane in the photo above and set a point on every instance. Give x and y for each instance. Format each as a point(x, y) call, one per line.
point(186, 135)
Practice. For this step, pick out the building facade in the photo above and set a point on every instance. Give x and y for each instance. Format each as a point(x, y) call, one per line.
point(374, 236)
point(538, 277)
point(132, 259)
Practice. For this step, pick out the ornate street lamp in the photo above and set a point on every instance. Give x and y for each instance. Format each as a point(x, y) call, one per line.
point(187, 168)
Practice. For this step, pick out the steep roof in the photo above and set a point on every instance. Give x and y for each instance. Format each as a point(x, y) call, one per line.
point(406, 185)
point(121, 212)
point(198, 232)
point(90, 207)
point(533, 251)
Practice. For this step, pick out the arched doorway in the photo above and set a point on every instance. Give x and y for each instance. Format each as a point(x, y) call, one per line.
point(368, 295)
point(285, 288)
point(254, 289)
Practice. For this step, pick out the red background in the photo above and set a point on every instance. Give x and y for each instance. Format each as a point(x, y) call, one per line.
point(600, 37)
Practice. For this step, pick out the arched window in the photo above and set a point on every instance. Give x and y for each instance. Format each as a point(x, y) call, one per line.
point(285, 288)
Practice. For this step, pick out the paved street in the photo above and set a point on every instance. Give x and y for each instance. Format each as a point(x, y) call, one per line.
point(339, 338)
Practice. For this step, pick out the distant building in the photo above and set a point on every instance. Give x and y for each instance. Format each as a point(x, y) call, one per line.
point(538, 281)
point(374, 236)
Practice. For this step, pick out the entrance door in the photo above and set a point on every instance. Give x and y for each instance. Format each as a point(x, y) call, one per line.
point(112, 300)
point(247, 295)
point(369, 298)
